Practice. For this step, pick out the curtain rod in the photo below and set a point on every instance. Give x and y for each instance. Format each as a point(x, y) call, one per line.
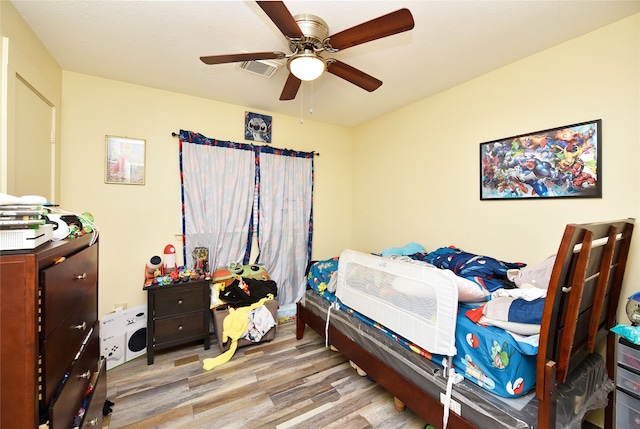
point(174, 134)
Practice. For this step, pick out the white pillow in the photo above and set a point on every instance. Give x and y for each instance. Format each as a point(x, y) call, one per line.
point(533, 276)
point(518, 328)
point(468, 291)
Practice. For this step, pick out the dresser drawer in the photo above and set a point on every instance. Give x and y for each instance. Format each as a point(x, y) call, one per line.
point(64, 284)
point(179, 327)
point(93, 414)
point(179, 300)
point(60, 348)
point(68, 400)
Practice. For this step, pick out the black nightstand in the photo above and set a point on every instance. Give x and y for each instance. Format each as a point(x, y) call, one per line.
point(177, 313)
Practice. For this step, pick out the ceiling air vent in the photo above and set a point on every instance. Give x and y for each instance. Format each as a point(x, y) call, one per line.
point(262, 67)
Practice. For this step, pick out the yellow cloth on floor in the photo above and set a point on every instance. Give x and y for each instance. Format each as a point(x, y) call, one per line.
point(234, 326)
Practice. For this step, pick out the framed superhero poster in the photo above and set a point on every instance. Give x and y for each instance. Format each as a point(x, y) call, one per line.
point(563, 162)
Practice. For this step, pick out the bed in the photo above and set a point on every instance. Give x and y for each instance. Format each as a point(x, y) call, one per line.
point(570, 378)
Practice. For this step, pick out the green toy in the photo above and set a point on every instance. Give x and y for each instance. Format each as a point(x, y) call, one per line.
point(251, 271)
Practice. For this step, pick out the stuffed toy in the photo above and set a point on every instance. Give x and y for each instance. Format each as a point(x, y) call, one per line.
point(251, 271)
point(406, 250)
point(234, 270)
point(224, 276)
point(233, 327)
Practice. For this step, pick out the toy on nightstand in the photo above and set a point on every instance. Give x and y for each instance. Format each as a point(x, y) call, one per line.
point(633, 309)
point(152, 270)
point(185, 274)
point(200, 257)
point(631, 333)
point(169, 259)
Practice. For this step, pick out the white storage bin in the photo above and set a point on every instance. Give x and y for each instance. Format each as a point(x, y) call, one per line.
point(627, 412)
point(629, 356)
point(628, 381)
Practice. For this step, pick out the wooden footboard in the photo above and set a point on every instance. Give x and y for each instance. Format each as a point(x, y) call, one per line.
point(428, 408)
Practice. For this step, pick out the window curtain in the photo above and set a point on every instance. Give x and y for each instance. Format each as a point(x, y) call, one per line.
point(220, 181)
point(218, 185)
point(284, 227)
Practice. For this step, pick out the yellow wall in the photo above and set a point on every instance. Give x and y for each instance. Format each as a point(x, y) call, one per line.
point(136, 222)
point(25, 63)
point(416, 171)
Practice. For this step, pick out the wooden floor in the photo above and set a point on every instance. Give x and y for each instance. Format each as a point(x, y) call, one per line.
point(286, 383)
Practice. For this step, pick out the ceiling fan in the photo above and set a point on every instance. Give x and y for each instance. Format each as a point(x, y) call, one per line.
point(308, 36)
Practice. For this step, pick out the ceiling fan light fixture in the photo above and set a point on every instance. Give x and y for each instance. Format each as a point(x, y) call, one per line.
point(307, 66)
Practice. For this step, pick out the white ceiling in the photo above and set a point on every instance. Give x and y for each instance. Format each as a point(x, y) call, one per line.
point(158, 44)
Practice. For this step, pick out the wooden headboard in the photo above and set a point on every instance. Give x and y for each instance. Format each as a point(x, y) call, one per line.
point(581, 303)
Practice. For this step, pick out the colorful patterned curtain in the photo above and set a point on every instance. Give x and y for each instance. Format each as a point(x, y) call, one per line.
point(285, 223)
point(218, 185)
point(220, 182)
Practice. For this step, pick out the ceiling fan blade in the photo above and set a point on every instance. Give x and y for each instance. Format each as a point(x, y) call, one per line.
point(383, 26)
point(282, 18)
point(234, 58)
point(353, 75)
point(291, 87)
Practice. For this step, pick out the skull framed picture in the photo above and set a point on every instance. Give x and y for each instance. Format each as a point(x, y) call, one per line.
point(257, 127)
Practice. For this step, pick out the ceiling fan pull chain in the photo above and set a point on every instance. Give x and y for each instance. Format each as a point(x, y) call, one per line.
point(311, 108)
point(301, 103)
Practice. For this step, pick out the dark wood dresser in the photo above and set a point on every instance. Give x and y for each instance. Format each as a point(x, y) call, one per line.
point(178, 313)
point(49, 336)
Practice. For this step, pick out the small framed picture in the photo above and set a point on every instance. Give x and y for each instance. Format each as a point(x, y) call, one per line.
point(257, 127)
point(563, 162)
point(125, 162)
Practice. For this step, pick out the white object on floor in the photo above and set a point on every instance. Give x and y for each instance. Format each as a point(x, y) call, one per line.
point(123, 335)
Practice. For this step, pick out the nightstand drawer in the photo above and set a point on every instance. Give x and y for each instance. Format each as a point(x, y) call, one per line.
point(180, 327)
point(177, 313)
point(179, 300)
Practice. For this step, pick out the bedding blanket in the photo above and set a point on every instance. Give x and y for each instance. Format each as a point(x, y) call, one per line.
point(488, 273)
point(500, 362)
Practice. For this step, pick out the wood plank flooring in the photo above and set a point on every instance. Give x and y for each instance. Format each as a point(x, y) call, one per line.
point(284, 384)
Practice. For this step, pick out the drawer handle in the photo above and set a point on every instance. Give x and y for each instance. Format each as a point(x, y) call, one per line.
point(86, 374)
point(93, 422)
point(179, 302)
point(81, 327)
point(82, 276)
point(180, 328)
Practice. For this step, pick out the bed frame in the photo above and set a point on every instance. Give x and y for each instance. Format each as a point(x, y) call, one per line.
point(581, 306)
